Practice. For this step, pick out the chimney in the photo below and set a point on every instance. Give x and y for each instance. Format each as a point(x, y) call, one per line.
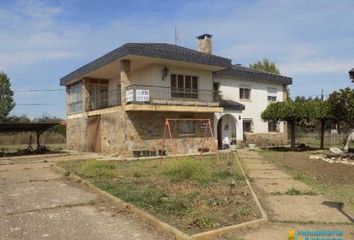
point(204, 43)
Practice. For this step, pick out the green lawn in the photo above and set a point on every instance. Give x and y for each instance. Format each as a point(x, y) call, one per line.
point(193, 194)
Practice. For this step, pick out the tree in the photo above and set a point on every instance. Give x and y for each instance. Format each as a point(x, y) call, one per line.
point(291, 112)
point(341, 104)
point(319, 111)
point(265, 65)
point(6, 96)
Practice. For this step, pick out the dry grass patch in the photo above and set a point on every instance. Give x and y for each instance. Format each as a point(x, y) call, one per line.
point(193, 194)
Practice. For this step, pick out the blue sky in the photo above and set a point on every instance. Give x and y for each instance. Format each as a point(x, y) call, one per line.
point(311, 41)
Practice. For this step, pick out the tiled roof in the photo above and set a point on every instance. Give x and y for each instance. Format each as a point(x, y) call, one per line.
point(238, 71)
point(231, 105)
point(158, 50)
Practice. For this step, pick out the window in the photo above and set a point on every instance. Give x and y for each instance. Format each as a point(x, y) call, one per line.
point(272, 126)
point(247, 125)
point(74, 98)
point(184, 86)
point(186, 127)
point(272, 94)
point(98, 96)
point(245, 93)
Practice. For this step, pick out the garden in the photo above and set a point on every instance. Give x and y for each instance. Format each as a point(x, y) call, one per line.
point(194, 194)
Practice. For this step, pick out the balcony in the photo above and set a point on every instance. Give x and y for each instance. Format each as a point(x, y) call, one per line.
point(102, 98)
point(159, 98)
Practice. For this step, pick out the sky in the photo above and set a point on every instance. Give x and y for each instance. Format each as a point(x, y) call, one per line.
point(41, 41)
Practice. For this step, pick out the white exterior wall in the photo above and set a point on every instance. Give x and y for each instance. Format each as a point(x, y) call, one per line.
point(230, 90)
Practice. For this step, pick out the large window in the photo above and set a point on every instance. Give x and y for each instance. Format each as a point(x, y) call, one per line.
point(186, 128)
point(247, 125)
point(273, 126)
point(183, 86)
point(74, 98)
point(245, 93)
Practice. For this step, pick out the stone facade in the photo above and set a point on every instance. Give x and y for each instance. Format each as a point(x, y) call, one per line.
point(123, 132)
point(266, 139)
point(76, 134)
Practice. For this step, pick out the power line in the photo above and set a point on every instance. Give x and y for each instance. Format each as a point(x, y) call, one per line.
point(35, 104)
point(41, 90)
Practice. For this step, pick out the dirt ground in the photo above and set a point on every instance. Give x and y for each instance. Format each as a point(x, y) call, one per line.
point(322, 171)
point(36, 203)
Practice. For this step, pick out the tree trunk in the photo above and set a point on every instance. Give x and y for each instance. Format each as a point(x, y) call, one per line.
point(292, 135)
point(323, 122)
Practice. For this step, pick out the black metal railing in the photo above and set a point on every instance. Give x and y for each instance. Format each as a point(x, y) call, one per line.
point(148, 94)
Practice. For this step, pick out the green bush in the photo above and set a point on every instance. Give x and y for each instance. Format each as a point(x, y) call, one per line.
point(94, 168)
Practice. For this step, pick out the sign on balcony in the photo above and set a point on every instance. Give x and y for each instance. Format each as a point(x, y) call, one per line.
point(129, 95)
point(142, 95)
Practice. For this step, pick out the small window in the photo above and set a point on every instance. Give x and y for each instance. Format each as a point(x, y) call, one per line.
point(272, 94)
point(272, 98)
point(247, 125)
point(245, 93)
point(272, 126)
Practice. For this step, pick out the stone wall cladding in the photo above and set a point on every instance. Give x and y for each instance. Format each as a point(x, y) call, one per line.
point(123, 132)
point(76, 134)
point(266, 139)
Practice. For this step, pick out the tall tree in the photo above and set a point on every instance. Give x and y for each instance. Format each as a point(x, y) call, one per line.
point(6, 96)
point(265, 65)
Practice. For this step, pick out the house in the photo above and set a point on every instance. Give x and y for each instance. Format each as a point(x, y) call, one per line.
point(119, 102)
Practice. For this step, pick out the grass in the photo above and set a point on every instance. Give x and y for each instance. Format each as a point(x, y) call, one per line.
point(334, 181)
point(193, 194)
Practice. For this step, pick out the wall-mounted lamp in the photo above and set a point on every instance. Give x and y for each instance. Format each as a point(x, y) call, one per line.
point(164, 72)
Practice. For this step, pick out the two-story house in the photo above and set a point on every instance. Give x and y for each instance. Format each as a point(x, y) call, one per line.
point(119, 102)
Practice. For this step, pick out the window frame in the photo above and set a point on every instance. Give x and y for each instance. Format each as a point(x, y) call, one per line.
point(184, 86)
point(250, 120)
point(272, 94)
point(242, 93)
point(276, 126)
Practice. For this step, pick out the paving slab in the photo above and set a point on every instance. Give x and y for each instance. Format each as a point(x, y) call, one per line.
point(281, 185)
point(268, 174)
point(79, 223)
point(303, 208)
point(260, 166)
point(41, 195)
point(28, 175)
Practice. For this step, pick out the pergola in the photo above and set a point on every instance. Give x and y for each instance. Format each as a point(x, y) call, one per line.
point(38, 128)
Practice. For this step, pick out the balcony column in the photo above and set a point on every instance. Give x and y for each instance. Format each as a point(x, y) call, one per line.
point(85, 95)
point(124, 78)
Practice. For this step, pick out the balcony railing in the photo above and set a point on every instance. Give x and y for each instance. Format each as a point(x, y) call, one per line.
point(105, 99)
point(147, 94)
